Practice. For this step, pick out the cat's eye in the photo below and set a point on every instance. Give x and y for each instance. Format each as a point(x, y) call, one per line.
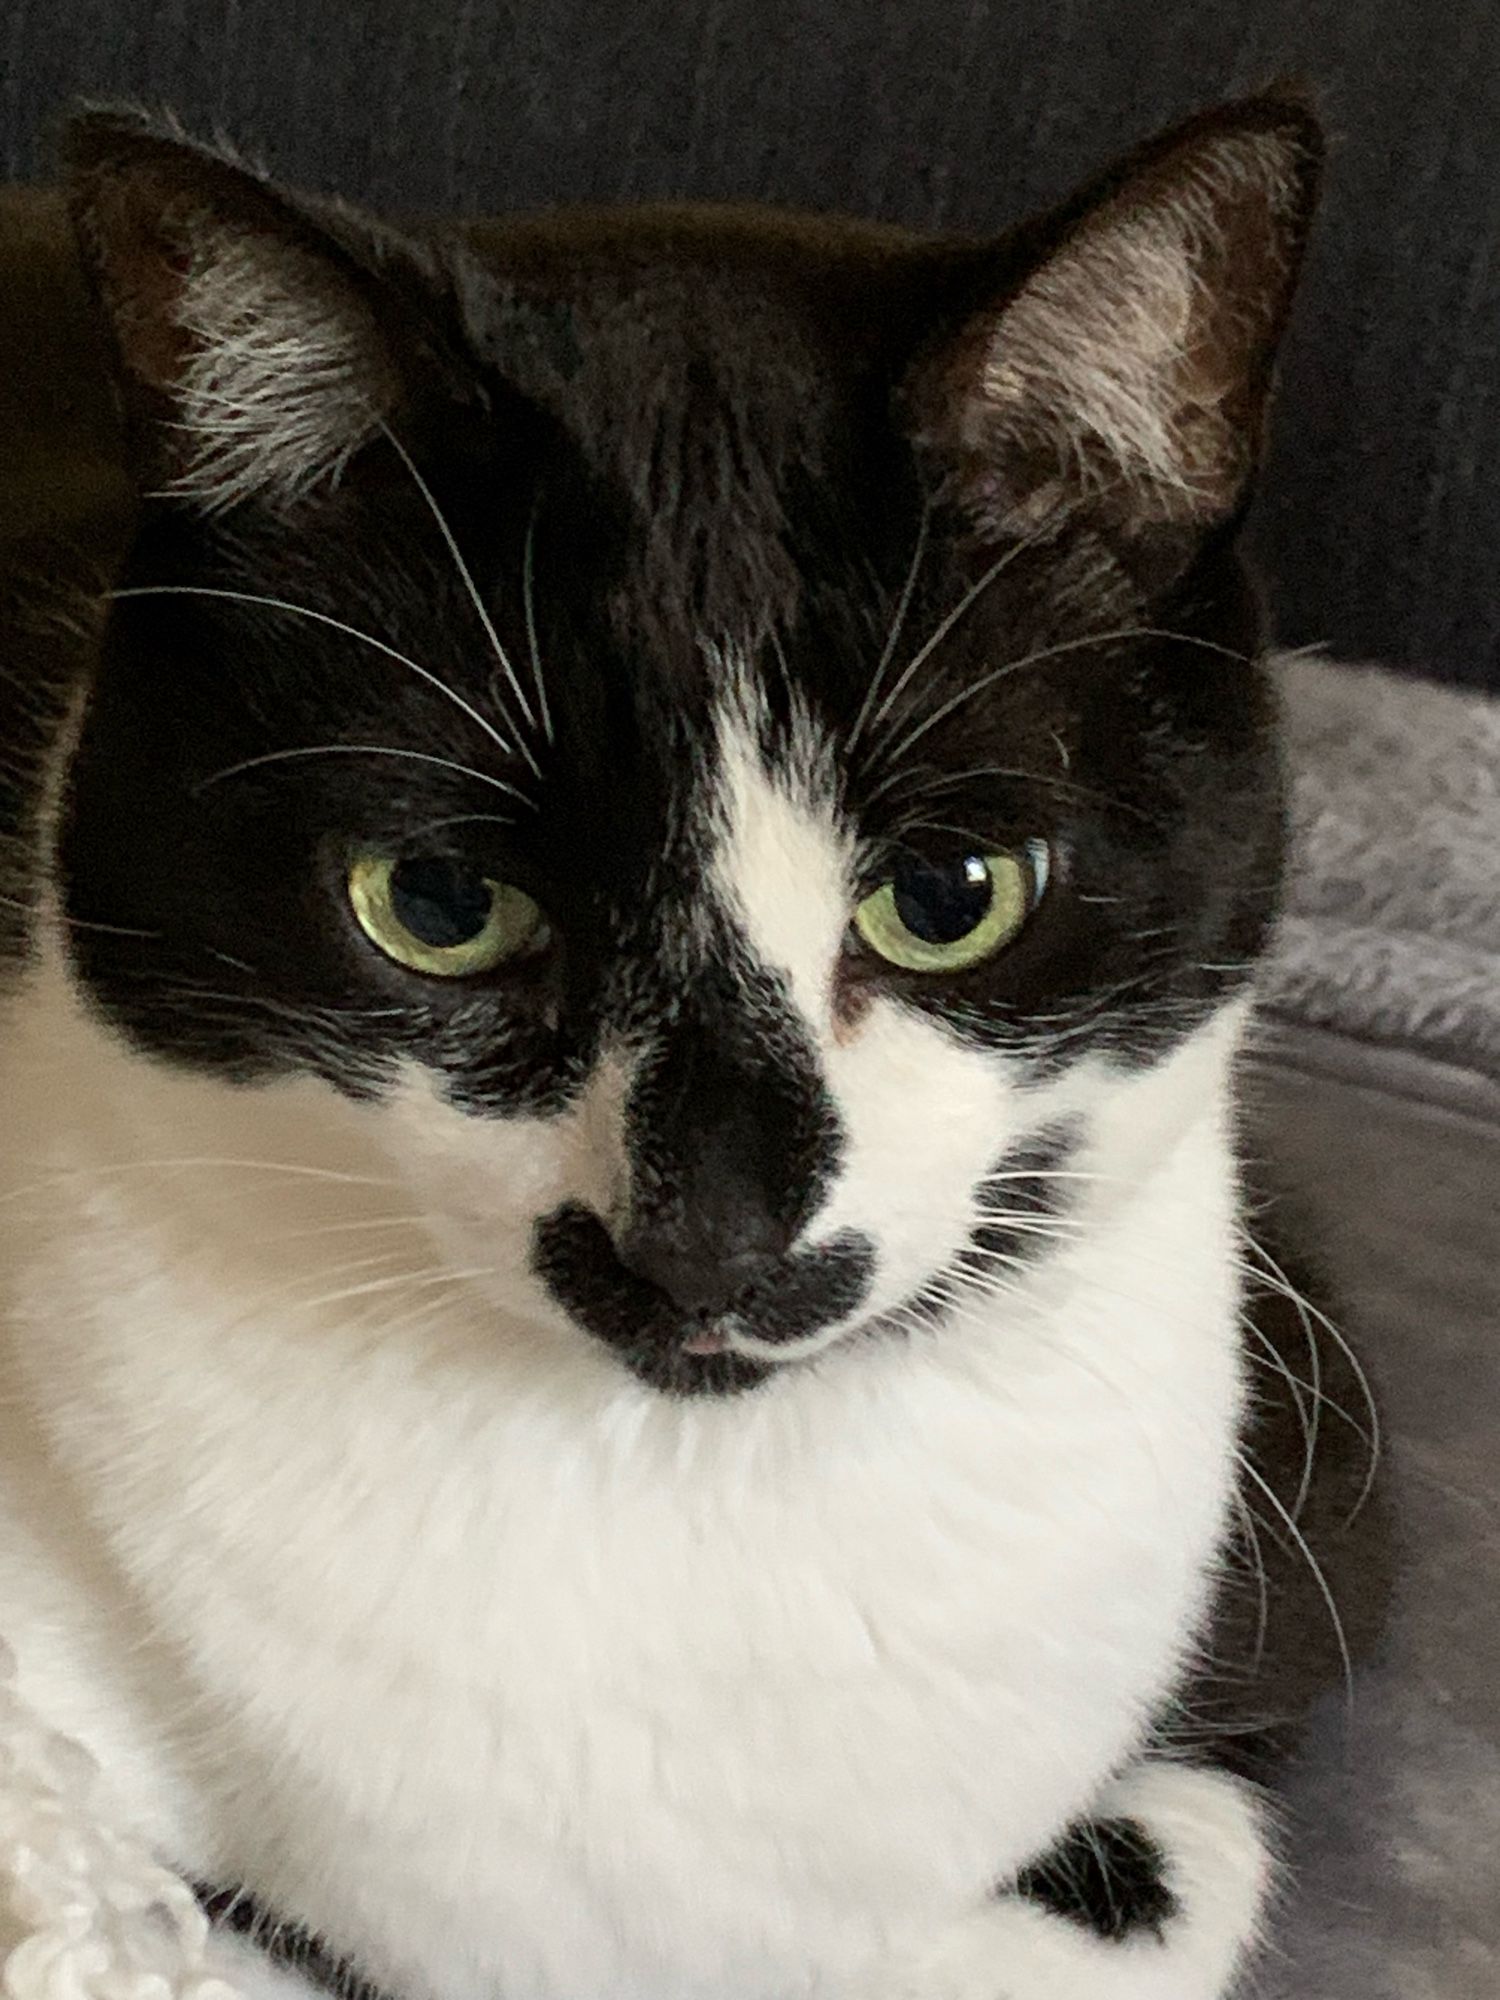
point(441, 917)
point(946, 916)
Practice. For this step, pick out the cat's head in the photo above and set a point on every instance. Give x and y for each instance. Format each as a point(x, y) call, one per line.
point(733, 741)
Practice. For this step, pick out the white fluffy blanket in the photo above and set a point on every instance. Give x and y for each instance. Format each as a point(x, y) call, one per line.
point(86, 1912)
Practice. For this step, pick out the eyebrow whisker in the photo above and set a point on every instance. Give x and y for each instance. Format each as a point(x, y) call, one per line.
point(335, 624)
point(359, 750)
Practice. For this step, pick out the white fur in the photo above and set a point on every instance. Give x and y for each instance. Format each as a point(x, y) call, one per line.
point(393, 1593)
point(287, 374)
point(1218, 1867)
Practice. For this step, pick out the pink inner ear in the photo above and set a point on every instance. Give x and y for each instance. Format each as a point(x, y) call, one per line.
point(255, 356)
point(143, 267)
point(1129, 372)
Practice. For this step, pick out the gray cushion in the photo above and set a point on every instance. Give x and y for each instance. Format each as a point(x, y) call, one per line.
point(1398, 1837)
point(1377, 1087)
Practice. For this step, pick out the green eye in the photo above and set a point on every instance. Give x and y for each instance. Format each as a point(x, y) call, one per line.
point(946, 916)
point(438, 916)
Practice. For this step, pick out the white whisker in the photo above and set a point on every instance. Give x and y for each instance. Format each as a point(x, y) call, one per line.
point(78, 923)
point(359, 750)
point(335, 624)
point(466, 575)
point(459, 819)
point(1025, 1225)
point(923, 783)
point(997, 568)
point(1300, 1542)
point(402, 1281)
point(1064, 647)
point(528, 604)
point(1273, 1275)
point(1263, 1582)
point(925, 651)
point(893, 638)
point(1306, 1422)
point(287, 1293)
point(356, 1226)
point(191, 1162)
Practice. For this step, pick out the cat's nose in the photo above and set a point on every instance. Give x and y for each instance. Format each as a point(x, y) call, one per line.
point(706, 1268)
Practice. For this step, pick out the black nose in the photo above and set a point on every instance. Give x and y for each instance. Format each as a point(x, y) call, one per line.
point(706, 1263)
point(731, 1139)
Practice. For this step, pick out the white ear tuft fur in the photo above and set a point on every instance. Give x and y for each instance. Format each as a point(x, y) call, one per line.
point(285, 374)
point(248, 330)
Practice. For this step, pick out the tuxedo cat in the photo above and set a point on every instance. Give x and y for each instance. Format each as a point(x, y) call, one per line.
point(636, 1360)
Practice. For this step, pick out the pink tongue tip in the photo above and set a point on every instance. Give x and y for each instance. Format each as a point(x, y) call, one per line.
point(707, 1342)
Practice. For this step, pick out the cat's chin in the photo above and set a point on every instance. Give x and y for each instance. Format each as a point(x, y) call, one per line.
point(724, 1360)
point(712, 1361)
point(703, 1346)
point(679, 1372)
point(716, 1360)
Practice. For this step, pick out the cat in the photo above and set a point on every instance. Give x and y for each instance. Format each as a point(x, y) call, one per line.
point(632, 1364)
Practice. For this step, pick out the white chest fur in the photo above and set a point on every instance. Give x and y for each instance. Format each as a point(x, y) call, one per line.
point(520, 1680)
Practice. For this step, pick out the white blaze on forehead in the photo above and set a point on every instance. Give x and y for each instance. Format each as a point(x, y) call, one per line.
point(782, 861)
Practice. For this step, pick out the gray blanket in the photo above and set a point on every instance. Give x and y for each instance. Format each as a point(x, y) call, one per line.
point(1378, 1076)
point(1393, 934)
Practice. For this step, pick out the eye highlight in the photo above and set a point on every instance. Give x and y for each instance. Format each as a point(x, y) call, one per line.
point(441, 917)
point(947, 916)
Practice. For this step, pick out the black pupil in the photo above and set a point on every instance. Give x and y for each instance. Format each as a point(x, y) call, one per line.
point(941, 904)
point(440, 902)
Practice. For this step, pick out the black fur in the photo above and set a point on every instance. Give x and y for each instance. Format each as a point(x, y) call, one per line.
point(1107, 1875)
point(576, 1259)
point(286, 1944)
point(1023, 1193)
point(1017, 1200)
point(733, 1140)
point(680, 428)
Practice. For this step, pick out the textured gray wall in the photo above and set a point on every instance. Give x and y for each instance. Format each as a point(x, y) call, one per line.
point(1380, 524)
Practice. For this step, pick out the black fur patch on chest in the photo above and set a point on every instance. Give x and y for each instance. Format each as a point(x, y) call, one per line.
point(1107, 1875)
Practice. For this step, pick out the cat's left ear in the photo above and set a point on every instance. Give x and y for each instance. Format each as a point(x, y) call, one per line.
point(1123, 376)
point(263, 338)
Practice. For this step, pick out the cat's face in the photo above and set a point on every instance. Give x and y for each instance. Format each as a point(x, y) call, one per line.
point(732, 742)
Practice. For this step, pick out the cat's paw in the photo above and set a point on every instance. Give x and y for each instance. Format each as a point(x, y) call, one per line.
point(1161, 1898)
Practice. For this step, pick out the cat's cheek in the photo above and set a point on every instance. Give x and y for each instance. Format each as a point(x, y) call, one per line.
point(481, 1182)
point(926, 1116)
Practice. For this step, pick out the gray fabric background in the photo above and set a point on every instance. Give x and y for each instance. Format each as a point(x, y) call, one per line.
point(1382, 514)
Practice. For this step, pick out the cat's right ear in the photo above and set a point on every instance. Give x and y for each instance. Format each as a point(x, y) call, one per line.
point(263, 339)
point(1122, 375)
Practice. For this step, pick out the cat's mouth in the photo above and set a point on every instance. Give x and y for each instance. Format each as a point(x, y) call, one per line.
point(678, 1351)
point(711, 1341)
